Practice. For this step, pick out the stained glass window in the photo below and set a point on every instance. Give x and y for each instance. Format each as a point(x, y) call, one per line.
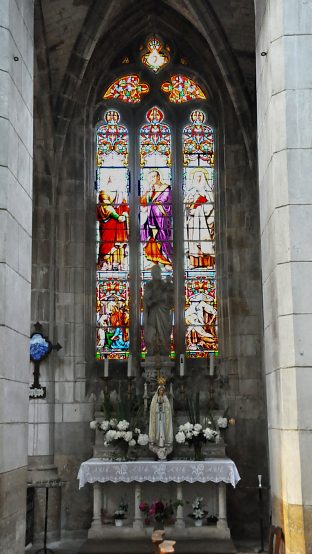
point(128, 89)
point(199, 238)
point(112, 239)
point(182, 89)
point(155, 197)
point(155, 58)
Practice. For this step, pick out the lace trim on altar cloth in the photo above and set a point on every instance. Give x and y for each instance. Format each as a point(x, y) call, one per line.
point(103, 471)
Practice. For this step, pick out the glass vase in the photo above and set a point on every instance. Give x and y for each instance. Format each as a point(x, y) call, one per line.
point(121, 452)
point(198, 455)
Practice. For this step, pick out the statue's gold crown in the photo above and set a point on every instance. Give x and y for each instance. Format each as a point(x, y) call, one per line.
point(161, 381)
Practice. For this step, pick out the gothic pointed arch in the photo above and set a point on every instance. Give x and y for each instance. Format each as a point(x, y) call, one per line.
point(98, 23)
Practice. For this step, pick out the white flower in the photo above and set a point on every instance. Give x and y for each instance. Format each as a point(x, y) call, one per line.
point(180, 437)
point(123, 425)
point(222, 422)
point(128, 436)
point(105, 425)
point(142, 439)
point(137, 431)
point(181, 428)
point(93, 424)
point(189, 435)
point(110, 435)
point(132, 442)
point(119, 434)
point(198, 513)
point(188, 426)
point(209, 434)
point(198, 427)
point(113, 423)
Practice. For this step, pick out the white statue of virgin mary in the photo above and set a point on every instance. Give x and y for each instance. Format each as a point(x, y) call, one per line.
point(160, 424)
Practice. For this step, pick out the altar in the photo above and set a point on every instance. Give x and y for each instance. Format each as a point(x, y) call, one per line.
point(214, 473)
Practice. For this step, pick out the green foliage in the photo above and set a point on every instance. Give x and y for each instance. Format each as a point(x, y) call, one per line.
point(132, 410)
point(192, 408)
point(107, 407)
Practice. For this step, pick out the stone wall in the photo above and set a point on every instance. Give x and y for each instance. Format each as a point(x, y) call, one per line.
point(16, 150)
point(284, 96)
point(64, 257)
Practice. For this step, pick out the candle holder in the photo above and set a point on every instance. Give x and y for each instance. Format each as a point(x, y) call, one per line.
point(130, 386)
point(182, 387)
point(105, 389)
point(145, 398)
point(212, 379)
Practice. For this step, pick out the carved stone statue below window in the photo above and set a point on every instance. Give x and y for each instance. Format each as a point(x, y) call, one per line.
point(157, 314)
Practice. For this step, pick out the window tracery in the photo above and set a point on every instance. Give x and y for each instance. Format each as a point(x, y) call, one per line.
point(182, 89)
point(127, 88)
point(155, 58)
point(154, 152)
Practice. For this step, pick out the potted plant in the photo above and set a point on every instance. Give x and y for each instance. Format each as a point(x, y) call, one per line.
point(120, 513)
point(159, 511)
point(198, 513)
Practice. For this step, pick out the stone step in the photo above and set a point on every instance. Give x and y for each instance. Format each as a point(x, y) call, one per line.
point(144, 546)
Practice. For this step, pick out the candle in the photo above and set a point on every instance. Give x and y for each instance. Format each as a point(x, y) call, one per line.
point(260, 481)
point(106, 362)
point(181, 365)
point(145, 397)
point(129, 366)
point(211, 363)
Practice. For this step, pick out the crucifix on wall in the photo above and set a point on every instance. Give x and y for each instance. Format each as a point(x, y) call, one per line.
point(40, 347)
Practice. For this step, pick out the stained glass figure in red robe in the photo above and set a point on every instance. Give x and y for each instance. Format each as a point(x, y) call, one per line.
point(113, 232)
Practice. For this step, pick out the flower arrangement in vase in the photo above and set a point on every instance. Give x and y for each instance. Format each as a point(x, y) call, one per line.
point(195, 435)
point(160, 512)
point(120, 434)
point(120, 513)
point(192, 432)
point(198, 513)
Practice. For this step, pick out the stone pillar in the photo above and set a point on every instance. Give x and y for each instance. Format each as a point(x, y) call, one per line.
point(284, 98)
point(16, 150)
point(96, 524)
point(180, 523)
point(222, 519)
point(137, 523)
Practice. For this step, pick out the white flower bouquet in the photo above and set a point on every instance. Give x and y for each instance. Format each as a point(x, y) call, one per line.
point(118, 433)
point(195, 435)
point(121, 511)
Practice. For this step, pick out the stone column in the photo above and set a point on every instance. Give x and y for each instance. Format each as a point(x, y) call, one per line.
point(97, 506)
point(180, 523)
point(222, 519)
point(16, 151)
point(138, 523)
point(284, 98)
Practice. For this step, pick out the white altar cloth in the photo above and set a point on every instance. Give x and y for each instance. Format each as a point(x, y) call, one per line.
point(215, 469)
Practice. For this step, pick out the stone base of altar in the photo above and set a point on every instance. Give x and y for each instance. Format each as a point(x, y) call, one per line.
point(185, 545)
point(107, 532)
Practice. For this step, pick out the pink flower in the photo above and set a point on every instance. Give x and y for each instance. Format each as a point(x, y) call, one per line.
point(143, 506)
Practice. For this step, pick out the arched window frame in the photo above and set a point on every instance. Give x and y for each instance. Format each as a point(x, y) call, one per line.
point(177, 117)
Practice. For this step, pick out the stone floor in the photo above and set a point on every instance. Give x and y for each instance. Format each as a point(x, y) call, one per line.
point(82, 546)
